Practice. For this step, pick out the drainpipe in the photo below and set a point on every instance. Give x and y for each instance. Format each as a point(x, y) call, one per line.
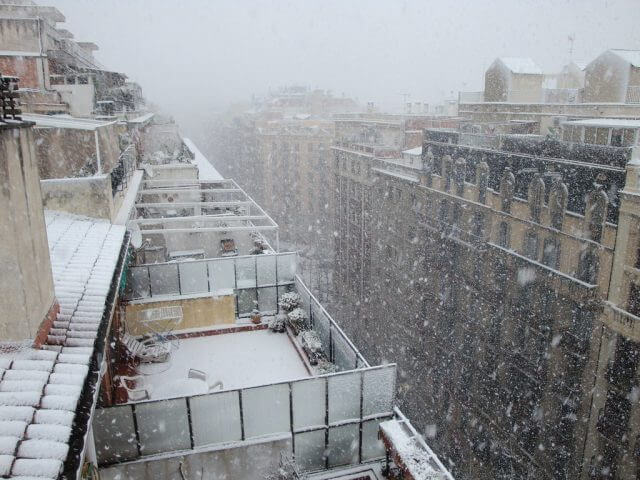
point(98, 152)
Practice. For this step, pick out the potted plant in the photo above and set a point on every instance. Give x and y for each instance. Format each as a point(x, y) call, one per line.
point(312, 345)
point(289, 301)
point(277, 323)
point(256, 316)
point(297, 320)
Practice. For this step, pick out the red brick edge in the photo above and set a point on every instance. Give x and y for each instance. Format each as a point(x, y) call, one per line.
point(47, 323)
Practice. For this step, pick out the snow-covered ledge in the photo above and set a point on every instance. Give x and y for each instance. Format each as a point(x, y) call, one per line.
point(410, 453)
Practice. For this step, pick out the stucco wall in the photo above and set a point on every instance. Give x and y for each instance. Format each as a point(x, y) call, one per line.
point(67, 152)
point(606, 79)
point(26, 282)
point(90, 196)
point(525, 88)
point(79, 97)
point(200, 312)
point(20, 34)
point(31, 70)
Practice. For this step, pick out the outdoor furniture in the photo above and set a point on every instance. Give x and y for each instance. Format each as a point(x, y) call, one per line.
point(182, 387)
point(228, 247)
point(135, 393)
point(200, 375)
point(149, 350)
point(162, 321)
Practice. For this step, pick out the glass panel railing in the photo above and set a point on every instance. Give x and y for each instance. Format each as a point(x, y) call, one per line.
point(193, 277)
point(310, 450)
point(222, 274)
point(344, 397)
point(163, 426)
point(343, 444)
point(216, 418)
point(259, 420)
point(309, 403)
point(114, 434)
point(266, 265)
point(164, 279)
point(378, 387)
point(246, 272)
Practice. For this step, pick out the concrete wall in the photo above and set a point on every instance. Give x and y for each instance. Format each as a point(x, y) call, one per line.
point(201, 312)
point(90, 196)
point(26, 282)
point(525, 88)
point(245, 462)
point(606, 79)
point(79, 97)
point(20, 34)
point(67, 152)
point(496, 83)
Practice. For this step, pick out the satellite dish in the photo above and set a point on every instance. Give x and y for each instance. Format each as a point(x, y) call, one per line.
point(136, 236)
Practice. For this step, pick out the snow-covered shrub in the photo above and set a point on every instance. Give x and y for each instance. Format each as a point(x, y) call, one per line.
point(278, 322)
point(289, 301)
point(325, 366)
point(297, 319)
point(310, 339)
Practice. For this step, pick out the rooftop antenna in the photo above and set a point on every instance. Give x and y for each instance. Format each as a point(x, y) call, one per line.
point(572, 38)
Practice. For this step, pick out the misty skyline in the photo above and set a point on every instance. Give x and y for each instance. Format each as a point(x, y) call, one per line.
point(196, 57)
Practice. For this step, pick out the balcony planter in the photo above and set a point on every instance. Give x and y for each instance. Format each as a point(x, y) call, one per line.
point(256, 317)
point(278, 323)
point(297, 320)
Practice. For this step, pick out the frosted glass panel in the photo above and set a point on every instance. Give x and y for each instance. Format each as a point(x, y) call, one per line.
point(163, 426)
point(266, 410)
point(268, 299)
point(286, 268)
point(310, 450)
point(343, 444)
point(215, 418)
point(193, 277)
point(266, 269)
point(344, 397)
point(246, 301)
point(377, 388)
point(164, 279)
point(321, 326)
point(222, 274)
point(309, 399)
point(372, 446)
point(138, 283)
point(114, 434)
point(246, 272)
point(343, 355)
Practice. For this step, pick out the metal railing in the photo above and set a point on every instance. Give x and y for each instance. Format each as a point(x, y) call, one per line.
point(123, 170)
point(333, 420)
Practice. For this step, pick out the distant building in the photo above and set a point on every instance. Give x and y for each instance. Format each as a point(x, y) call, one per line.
point(513, 79)
point(614, 76)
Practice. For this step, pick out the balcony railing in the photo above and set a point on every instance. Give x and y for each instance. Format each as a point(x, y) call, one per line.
point(257, 280)
point(123, 170)
point(333, 420)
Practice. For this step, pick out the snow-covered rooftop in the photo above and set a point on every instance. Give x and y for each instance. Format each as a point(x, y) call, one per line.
point(206, 171)
point(413, 151)
point(523, 65)
point(40, 389)
point(238, 360)
point(605, 123)
point(631, 56)
point(65, 121)
point(142, 118)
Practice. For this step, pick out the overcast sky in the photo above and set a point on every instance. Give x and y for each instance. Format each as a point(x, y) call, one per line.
point(195, 56)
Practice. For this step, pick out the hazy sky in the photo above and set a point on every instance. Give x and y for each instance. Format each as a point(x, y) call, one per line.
point(193, 56)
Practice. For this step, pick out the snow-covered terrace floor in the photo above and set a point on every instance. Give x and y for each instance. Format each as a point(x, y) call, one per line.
point(242, 359)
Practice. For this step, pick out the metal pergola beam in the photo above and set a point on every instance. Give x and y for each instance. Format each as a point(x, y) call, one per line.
point(214, 218)
point(209, 229)
point(230, 203)
point(189, 190)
